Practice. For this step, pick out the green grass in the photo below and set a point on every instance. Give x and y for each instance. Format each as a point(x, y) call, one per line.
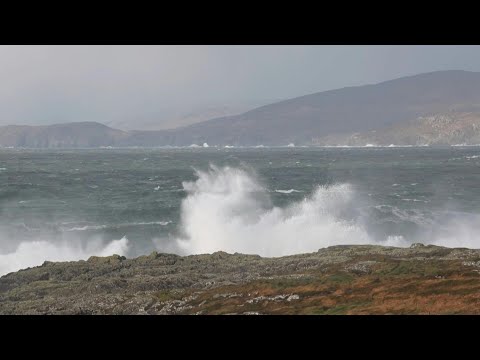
point(340, 278)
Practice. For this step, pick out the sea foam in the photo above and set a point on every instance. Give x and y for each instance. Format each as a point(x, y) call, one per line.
point(34, 253)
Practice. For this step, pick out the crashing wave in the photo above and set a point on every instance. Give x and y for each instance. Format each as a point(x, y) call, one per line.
point(34, 253)
point(228, 209)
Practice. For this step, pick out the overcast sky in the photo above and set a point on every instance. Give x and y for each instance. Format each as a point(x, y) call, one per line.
point(51, 84)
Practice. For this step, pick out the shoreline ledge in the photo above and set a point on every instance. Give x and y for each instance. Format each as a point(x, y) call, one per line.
point(343, 279)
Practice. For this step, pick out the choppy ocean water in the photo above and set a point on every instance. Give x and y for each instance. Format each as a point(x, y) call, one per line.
point(70, 204)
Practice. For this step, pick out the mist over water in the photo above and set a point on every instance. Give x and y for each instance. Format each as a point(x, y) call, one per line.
point(69, 205)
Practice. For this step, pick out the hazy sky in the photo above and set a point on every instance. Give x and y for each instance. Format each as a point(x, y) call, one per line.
point(49, 84)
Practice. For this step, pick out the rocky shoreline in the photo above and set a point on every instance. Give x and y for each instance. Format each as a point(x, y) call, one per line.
point(336, 280)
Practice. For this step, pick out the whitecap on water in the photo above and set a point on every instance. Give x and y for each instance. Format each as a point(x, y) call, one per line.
point(112, 226)
point(287, 191)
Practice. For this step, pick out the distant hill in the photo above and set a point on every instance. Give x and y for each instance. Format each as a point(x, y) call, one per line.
point(395, 111)
point(71, 135)
point(347, 110)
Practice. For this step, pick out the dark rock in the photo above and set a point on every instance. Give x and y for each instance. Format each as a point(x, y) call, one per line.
point(416, 245)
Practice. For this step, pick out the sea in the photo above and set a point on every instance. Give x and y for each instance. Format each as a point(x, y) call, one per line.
point(66, 205)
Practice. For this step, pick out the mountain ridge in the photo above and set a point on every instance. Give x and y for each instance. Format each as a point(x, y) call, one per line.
point(303, 120)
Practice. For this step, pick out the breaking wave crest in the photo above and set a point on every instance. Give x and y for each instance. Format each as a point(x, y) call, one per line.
point(227, 209)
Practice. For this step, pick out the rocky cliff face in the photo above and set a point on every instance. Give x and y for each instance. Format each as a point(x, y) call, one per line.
point(452, 128)
point(335, 280)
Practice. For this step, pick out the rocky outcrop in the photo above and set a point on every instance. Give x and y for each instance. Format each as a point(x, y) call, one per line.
point(336, 280)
